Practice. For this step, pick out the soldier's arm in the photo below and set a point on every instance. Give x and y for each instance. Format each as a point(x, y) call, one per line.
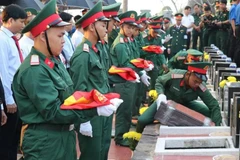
point(212, 104)
point(44, 97)
point(122, 56)
point(79, 71)
point(161, 82)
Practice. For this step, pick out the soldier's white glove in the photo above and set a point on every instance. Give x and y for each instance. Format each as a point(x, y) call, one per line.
point(106, 110)
point(145, 78)
point(116, 102)
point(163, 48)
point(161, 98)
point(150, 67)
point(167, 38)
point(137, 80)
point(86, 129)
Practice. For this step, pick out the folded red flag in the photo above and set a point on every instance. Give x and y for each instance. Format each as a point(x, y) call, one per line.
point(87, 100)
point(126, 73)
point(141, 63)
point(153, 48)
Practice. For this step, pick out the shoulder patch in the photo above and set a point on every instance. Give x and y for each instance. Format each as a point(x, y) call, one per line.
point(121, 40)
point(176, 76)
point(85, 47)
point(34, 61)
point(202, 87)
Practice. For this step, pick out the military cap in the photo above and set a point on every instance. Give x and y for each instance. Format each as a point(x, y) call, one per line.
point(166, 20)
point(111, 11)
point(138, 21)
point(158, 19)
point(194, 52)
point(45, 19)
point(93, 15)
point(128, 17)
point(199, 68)
point(144, 18)
point(156, 26)
point(31, 11)
point(178, 16)
point(223, 1)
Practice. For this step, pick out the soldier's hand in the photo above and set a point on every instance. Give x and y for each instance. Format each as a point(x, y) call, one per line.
point(116, 102)
point(145, 78)
point(137, 80)
point(3, 118)
point(165, 68)
point(11, 108)
point(161, 98)
point(106, 110)
point(86, 129)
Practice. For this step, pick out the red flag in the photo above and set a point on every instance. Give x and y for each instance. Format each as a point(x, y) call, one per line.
point(153, 48)
point(87, 100)
point(126, 73)
point(141, 63)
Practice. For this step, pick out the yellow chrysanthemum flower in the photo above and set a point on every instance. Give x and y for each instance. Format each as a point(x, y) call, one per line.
point(132, 135)
point(232, 79)
point(222, 83)
point(153, 94)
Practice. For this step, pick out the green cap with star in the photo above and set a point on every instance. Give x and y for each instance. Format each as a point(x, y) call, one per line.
point(178, 16)
point(166, 20)
point(128, 17)
point(144, 18)
point(45, 19)
point(31, 11)
point(194, 52)
point(156, 26)
point(111, 11)
point(93, 15)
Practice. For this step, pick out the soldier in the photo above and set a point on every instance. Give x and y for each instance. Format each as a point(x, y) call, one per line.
point(144, 22)
point(182, 57)
point(223, 27)
point(166, 27)
point(184, 87)
point(40, 87)
point(209, 27)
point(217, 8)
point(89, 71)
point(179, 37)
point(158, 60)
point(26, 42)
point(197, 33)
point(121, 55)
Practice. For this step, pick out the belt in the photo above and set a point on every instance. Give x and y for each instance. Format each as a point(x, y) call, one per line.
point(52, 127)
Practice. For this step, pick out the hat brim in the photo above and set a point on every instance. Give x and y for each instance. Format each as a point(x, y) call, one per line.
point(61, 24)
point(103, 19)
point(147, 22)
point(157, 30)
point(116, 19)
point(201, 76)
point(139, 26)
point(130, 23)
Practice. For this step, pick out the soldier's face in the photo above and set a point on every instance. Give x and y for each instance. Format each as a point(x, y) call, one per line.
point(56, 40)
point(135, 32)
point(101, 27)
point(196, 9)
point(207, 13)
point(194, 81)
point(128, 30)
point(222, 6)
point(110, 25)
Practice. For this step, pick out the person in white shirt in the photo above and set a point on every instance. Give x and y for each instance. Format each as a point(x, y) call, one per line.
point(188, 21)
point(78, 34)
point(68, 47)
point(26, 42)
point(13, 18)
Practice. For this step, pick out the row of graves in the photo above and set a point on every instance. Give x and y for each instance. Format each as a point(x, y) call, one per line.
point(184, 134)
